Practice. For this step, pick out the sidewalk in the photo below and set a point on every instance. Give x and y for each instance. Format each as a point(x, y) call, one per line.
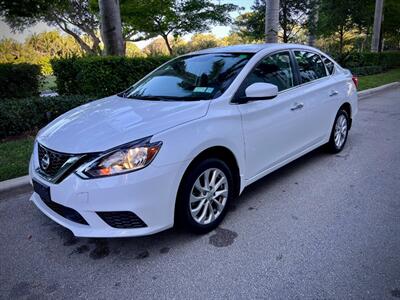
point(373, 91)
point(15, 186)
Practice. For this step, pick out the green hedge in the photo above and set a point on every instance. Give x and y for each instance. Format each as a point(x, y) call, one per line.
point(18, 116)
point(19, 80)
point(104, 76)
point(369, 62)
point(368, 70)
point(101, 76)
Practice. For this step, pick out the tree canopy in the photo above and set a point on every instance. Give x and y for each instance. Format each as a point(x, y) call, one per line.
point(150, 18)
point(343, 18)
point(39, 49)
point(335, 22)
point(71, 16)
point(340, 25)
point(292, 17)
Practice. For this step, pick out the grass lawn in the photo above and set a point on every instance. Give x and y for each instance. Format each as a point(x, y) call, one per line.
point(371, 81)
point(14, 157)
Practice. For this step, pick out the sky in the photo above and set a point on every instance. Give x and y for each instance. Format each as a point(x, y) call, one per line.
point(219, 31)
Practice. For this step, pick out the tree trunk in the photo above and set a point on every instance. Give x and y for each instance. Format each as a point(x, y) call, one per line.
point(111, 31)
point(381, 40)
point(91, 50)
point(165, 37)
point(284, 22)
point(313, 21)
point(271, 21)
point(377, 26)
point(285, 36)
point(341, 42)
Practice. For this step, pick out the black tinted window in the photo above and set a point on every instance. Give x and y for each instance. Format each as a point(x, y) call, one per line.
point(330, 66)
point(275, 69)
point(310, 65)
point(194, 77)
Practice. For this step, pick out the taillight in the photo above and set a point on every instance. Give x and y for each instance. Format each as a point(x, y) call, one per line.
point(355, 80)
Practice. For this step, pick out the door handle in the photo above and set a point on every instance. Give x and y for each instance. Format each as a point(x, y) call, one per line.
point(333, 93)
point(297, 106)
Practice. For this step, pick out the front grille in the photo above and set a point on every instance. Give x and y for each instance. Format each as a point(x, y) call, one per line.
point(56, 160)
point(122, 219)
point(66, 212)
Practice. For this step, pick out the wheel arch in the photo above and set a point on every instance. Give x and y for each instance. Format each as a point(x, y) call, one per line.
point(223, 153)
point(347, 107)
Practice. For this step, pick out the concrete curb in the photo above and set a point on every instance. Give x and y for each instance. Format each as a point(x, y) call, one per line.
point(22, 184)
point(373, 91)
point(15, 186)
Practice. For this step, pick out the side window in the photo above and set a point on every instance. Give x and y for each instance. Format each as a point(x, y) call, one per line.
point(330, 66)
point(310, 65)
point(275, 69)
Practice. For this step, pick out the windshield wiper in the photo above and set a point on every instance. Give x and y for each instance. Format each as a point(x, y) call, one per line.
point(122, 94)
point(165, 98)
point(156, 98)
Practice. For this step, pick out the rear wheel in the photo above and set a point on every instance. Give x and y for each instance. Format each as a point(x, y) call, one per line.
point(339, 132)
point(204, 195)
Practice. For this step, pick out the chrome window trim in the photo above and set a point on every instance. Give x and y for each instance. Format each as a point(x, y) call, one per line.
point(255, 65)
point(298, 85)
point(315, 80)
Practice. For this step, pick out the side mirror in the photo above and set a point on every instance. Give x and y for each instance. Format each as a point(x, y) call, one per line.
point(260, 91)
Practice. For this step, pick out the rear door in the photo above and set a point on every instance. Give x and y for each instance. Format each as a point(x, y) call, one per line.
point(318, 93)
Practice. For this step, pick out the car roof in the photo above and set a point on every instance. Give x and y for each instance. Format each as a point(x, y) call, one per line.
point(253, 48)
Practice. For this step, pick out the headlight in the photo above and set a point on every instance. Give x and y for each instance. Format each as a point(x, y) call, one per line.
point(123, 159)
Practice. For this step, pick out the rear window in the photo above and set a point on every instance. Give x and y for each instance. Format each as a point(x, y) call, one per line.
point(311, 66)
point(330, 65)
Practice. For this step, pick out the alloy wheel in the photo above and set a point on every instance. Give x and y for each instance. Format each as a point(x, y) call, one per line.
point(340, 131)
point(208, 196)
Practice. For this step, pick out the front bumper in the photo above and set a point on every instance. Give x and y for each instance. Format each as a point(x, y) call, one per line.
point(149, 193)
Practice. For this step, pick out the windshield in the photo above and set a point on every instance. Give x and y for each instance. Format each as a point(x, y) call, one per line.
point(195, 77)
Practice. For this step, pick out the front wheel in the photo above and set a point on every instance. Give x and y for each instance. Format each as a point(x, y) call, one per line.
point(339, 132)
point(205, 193)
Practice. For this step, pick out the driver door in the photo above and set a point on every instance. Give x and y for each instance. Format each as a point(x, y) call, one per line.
point(272, 128)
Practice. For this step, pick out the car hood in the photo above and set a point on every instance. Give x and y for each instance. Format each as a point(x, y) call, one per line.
point(113, 121)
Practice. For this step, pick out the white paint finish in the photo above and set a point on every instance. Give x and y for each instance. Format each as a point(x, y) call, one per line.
point(262, 90)
point(149, 194)
point(113, 121)
point(271, 131)
point(262, 135)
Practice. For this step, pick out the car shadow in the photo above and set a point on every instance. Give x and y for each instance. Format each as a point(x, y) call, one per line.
point(281, 174)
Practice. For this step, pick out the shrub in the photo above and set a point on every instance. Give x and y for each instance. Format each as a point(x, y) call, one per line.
point(101, 76)
point(19, 80)
point(386, 60)
point(368, 70)
point(30, 114)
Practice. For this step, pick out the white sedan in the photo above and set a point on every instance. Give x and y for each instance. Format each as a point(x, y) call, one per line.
point(182, 143)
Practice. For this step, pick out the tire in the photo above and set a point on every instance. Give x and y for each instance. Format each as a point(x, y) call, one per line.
point(340, 131)
point(197, 209)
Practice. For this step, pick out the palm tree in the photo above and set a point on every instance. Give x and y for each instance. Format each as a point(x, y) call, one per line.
point(377, 26)
point(312, 21)
point(271, 21)
point(111, 29)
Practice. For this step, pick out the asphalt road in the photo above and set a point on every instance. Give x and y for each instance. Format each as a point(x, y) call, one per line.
point(324, 227)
